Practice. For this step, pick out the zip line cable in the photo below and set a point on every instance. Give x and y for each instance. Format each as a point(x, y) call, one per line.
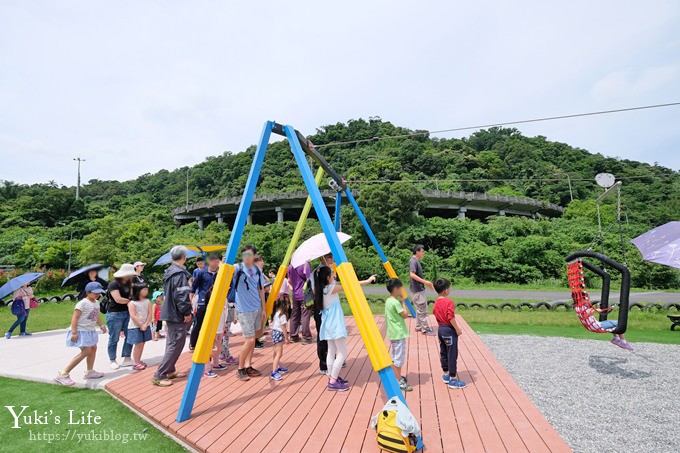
point(506, 123)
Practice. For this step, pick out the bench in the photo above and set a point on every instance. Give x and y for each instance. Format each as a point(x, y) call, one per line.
point(675, 319)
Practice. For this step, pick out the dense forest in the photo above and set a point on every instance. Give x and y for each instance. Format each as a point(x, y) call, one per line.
point(117, 221)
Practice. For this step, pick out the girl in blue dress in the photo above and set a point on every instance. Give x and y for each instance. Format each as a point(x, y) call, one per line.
point(333, 330)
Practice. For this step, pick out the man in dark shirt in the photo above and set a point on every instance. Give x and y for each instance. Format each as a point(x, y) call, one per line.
point(202, 286)
point(417, 286)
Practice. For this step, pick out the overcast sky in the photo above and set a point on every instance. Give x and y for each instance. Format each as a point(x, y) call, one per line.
point(134, 87)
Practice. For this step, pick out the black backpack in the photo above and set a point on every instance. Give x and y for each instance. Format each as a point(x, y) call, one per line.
point(231, 295)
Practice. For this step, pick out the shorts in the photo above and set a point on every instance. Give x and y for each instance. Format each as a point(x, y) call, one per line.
point(136, 336)
point(251, 322)
point(398, 352)
point(277, 336)
point(608, 324)
point(85, 339)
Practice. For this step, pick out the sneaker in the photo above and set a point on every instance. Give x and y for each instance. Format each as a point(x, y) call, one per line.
point(276, 376)
point(127, 362)
point(64, 379)
point(429, 332)
point(259, 344)
point(307, 341)
point(446, 378)
point(220, 367)
point(323, 372)
point(210, 374)
point(25, 334)
point(295, 339)
point(243, 375)
point(8, 335)
point(405, 387)
point(456, 384)
point(282, 370)
point(338, 386)
point(92, 374)
point(252, 372)
point(616, 341)
point(403, 379)
point(342, 380)
point(114, 365)
point(626, 345)
point(231, 361)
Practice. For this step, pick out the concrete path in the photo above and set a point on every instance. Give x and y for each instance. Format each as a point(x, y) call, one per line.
point(652, 296)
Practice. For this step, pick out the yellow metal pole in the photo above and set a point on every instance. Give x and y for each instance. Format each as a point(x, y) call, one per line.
point(283, 269)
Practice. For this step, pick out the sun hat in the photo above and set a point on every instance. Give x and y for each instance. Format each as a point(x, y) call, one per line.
point(126, 270)
point(94, 287)
point(139, 263)
point(156, 294)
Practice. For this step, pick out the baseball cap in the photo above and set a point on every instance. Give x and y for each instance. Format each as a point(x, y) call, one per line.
point(139, 263)
point(94, 287)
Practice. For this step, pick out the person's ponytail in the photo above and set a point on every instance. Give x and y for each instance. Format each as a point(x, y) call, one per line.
point(320, 276)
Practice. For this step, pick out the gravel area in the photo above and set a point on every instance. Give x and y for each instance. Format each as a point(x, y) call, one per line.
point(599, 397)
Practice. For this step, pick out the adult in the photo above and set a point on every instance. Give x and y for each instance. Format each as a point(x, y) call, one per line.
point(92, 276)
point(417, 286)
point(201, 287)
point(299, 317)
point(200, 264)
point(176, 313)
point(25, 294)
point(118, 295)
point(248, 284)
point(139, 268)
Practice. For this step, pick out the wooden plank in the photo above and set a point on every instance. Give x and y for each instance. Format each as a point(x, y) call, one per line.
point(299, 414)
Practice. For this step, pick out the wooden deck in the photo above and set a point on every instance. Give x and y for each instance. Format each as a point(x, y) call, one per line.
point(298, 414)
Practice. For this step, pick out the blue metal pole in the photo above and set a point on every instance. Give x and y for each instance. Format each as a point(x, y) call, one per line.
point(338, 205)
point(191, 389)
point(374, 240)
point(387, 375)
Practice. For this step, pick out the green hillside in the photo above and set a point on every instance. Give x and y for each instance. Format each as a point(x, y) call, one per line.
point(121, 221)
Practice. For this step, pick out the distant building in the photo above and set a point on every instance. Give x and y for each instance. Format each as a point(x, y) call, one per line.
point(282, 206)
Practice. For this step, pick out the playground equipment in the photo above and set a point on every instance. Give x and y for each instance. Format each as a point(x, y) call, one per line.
point(579, 293)
point(368, 329)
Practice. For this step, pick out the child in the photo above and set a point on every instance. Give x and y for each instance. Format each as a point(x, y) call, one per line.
point(588, 317)
point(139, 326)
point(333, 330)
point(225, 356)
point(448, 333)
point(157, 304)
point(279, 334)
point(83, 335)
point(397, 332)
point(214, 362)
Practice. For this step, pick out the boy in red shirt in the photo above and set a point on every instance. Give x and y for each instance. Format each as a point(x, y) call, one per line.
point(448, 333)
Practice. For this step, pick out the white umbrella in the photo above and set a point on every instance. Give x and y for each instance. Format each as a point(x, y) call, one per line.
point(315, 247)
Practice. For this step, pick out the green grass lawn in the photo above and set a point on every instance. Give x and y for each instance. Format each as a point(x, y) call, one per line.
point(130, 431)
point(47, 316)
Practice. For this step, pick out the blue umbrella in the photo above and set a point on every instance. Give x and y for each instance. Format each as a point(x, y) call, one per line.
point(17, 282)
point(167, 259)
point(77, 276)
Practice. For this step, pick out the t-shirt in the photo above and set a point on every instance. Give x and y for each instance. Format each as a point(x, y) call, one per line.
point(89, 315)
point(396, 325)
point(328, 297)
point(125, 293)
point(248, 289)
point(24, 294)
point(279, 321)
point(141, 310)
point(444, 311)
point(415, 267)
point(298, 277)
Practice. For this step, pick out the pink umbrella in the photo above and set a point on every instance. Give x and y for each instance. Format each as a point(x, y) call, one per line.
point(661, 245)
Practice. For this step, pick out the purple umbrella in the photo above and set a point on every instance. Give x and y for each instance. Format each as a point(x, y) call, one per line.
point(661, 245)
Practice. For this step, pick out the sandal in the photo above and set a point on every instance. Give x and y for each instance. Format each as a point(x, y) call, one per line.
point(161, 382)
point(176, 375)
point(139, 366)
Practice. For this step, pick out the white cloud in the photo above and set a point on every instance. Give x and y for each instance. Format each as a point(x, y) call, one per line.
point(136, 87)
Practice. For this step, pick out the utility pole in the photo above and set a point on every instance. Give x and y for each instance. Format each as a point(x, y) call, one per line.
point(79, 160)
point(187, 189)
point(571, 193)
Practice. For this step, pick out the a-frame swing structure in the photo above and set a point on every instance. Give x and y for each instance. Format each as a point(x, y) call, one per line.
point(368, 329)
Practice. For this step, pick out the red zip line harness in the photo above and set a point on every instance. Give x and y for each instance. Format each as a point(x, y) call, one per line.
point(579, 294)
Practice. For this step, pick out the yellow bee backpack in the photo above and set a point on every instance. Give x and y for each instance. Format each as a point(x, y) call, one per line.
point(389, 435)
